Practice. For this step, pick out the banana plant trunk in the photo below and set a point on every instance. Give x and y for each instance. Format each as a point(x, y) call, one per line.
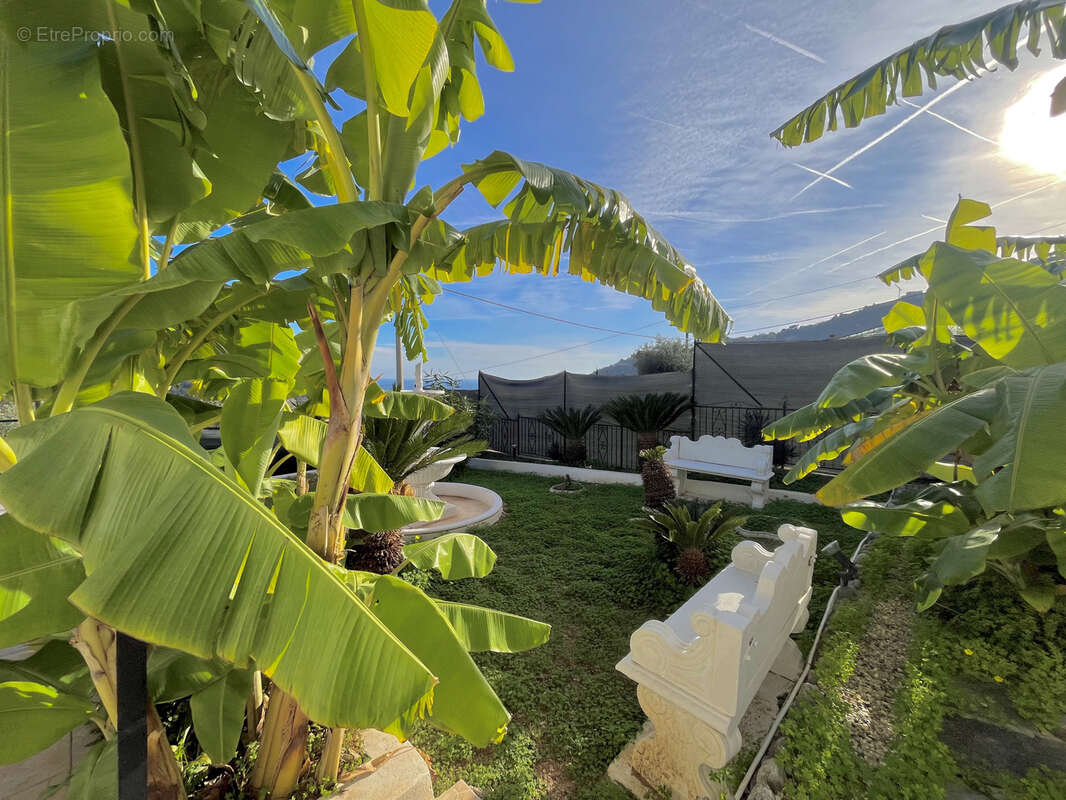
point(97, 644)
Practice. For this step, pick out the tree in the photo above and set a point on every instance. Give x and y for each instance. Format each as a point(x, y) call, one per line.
point(121, 150)
point(647, 415)
point(663, 355)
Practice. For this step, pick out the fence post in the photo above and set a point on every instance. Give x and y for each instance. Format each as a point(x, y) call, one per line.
point(692, 395)
point(131, 657)
point(564, 390)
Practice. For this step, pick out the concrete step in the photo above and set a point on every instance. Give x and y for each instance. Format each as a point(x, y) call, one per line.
point(461, 791)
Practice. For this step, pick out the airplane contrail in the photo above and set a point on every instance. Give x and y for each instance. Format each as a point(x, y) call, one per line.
point(778, 40)
point(882, 137)
point(703, 215)
point(824, 175)
point(952, 123)
point(813, 264)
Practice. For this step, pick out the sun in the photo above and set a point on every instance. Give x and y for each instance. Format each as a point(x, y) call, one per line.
point(1031, 136)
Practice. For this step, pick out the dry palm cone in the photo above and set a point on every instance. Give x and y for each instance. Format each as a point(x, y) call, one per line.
point(381, 552)
point(658, 483)
point(692, 565)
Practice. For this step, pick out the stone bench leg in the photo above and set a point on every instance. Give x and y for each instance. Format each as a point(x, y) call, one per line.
point(758, 493)
point(681, 481)
point(680, 748)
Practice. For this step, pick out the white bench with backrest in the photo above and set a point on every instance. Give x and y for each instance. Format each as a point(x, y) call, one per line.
point(698, 670)
point(726, 458)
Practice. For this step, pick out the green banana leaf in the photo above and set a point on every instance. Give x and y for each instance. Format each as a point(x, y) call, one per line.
point(80, 203)
point(56, 664)
point(1014, 310)
point(96, 775)
point(909, 452)
point(810, 421)
point(250, 419)
point(407, 405)
point(463, 701)
point(157, 524)
point(554, 212)
point(453, 555)
point(826, 449)
point(858, 378)
point(486, 630)
point(1021, 470)
point(37, 716)
point(955, 51)
point(921, 518)
point(218, 714)
point(37, 573)
point(303, 436)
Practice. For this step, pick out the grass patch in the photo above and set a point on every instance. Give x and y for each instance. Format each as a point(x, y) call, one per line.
point(579, 564)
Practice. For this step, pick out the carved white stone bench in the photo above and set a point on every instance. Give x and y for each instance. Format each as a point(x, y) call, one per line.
point(727, 458)
point(698, 671)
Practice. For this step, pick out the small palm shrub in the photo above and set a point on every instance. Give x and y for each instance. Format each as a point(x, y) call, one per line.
point(658, 482)
point(691, 536)
point(648, 414)
point(402, 447)
point(572, 424)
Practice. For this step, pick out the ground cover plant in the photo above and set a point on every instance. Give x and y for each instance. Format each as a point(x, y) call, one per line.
point(840, 744)
point(580, 564)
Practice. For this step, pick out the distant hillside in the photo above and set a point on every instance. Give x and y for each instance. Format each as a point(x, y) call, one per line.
point(865, 320)
point(855, 323)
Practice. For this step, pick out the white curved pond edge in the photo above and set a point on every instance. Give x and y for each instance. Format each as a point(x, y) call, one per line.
point(491, 503)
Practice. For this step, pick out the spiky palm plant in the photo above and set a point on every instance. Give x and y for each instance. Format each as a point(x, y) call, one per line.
point(658, 482)
point(692, 537)
point(402, 447)
point(572, 424)
point(646, 415)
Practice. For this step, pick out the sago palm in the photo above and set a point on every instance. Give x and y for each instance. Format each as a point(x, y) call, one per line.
point(572, 424)
point(647, 415)
point(692, 536)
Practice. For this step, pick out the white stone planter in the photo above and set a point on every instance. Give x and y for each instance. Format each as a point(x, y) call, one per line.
point(422, 480)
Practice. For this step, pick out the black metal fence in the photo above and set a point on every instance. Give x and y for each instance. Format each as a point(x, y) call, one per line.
point(610, 446)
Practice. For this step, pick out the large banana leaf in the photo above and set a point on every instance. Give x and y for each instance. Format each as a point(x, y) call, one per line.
point(178, 555)
point(368, 512)
point(36, 716)
point(1022, 468)
point(919, 517)
point(956, 51)
point(453, 555)
point(407, 405)
point(303, 436)
point(909, 452)
point(555, 212)
point(137, 77)
point(487, 630)
point(36, 575)
point(463, 701)
point(862, 376)
point(809, 421)
point(250, 419)
point(66, 183)
point(1016, 311)
point(218, 714)
point(827, 448)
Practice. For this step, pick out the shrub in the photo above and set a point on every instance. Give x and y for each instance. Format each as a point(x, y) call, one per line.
point(572, 424)
point(662, 355)
point(648, 414)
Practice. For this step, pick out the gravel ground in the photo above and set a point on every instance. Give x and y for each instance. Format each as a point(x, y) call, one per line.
point(879, 671)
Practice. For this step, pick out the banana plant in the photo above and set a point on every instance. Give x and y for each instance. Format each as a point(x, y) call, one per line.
point(972, 400)
point(955, 51)
point(144, 194)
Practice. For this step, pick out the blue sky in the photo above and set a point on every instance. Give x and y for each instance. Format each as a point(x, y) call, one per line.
point(671, 102)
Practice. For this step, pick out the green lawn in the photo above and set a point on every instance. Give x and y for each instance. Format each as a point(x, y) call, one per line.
point(577, 563)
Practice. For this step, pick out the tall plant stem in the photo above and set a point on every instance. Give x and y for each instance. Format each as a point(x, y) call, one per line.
point(168, 244)
point(70, 387)
point(370, 77)
point(23, 403)
point(336, 160)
